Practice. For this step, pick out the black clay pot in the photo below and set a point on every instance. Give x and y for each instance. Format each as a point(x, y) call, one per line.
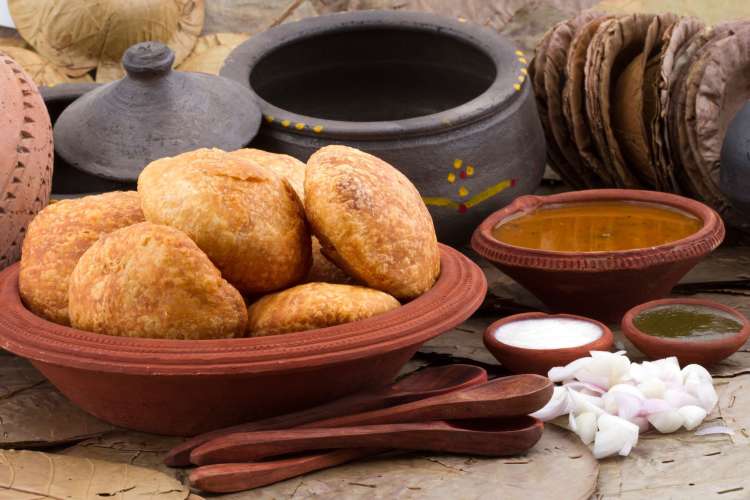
point(446, 102)
point(68, 182)
point(735, 161)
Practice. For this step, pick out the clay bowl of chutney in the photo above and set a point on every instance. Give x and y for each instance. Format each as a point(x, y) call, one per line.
point(599, 252)
point(535, 342)
point(695, 330)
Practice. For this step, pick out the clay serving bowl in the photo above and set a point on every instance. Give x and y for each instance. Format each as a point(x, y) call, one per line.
point(523, 360)
point(446, 102)
point(601, 285)
point(703, 352)
point(68, 181)
point(185, 387)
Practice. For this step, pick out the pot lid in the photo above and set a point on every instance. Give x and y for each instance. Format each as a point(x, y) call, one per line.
point(116, 130)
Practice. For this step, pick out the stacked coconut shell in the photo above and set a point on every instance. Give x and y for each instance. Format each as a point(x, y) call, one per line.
point(641, 100)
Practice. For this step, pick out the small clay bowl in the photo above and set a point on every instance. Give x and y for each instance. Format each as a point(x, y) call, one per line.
point(523, 360)
point(186, 387)
point(703, 352)
point(601, 285)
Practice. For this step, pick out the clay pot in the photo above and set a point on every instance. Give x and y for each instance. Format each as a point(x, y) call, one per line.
point(601, 285)
point(67, 181)
point(185, 387)
point(446, 102)
point(116, 130)
point(735, 161)
point(25, 157)
point(702, 352)
point(522, 360)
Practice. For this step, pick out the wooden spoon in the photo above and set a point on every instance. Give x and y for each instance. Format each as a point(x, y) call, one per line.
point(418, 385)
point(489, 437)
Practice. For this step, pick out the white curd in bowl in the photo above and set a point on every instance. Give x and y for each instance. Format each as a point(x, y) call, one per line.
point(548, 333)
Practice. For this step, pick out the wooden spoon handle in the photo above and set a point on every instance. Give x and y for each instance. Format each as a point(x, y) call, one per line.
point(229, 478)
point(430, 436)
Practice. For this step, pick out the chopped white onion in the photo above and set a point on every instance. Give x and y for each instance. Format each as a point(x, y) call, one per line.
point(666, 421)
point(616, 435)
point(692, 416)
point(585, 426)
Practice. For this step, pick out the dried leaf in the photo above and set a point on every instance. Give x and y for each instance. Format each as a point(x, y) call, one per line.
point(43, 72)
point(30, 475)
point(210, 52)
point(254, 16)
point(711, 11)
point(33, 413)
point(79, 35)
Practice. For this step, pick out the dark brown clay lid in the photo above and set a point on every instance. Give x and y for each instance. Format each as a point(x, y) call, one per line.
point(116, 130)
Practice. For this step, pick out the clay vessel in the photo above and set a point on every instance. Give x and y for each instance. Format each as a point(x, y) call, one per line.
point(601, 285)
point(522, 360)
point(446, 102)
point(735, 161)
point(186, 387)
point(114, 131)
point(25, 157)
point(68, 182)
point(702, 352)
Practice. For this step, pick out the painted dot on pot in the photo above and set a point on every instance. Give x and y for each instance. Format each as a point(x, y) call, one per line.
point(269, 118)
point(521, 78)
point(519, 53)
point(457, 163)
point(299, 126)
point(517, 86)
point(463, 191)
point(523, 60)
point(470, 170)
point(461, 208)
point(451, 177)
point(524, 71)
point(285, 123)
point(462, 175)
point(318, 129)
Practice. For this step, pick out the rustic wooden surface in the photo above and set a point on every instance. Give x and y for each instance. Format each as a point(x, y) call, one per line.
point(679, 465)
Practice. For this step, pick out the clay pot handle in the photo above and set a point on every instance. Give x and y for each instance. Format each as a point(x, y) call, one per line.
point(148, 60)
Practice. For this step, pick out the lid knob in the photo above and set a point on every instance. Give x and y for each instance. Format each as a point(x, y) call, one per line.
point(148, 59)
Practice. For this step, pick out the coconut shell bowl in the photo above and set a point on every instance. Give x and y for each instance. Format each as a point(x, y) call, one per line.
point(538, 360)
point(705, 352)
point(186, 387)
point(600, 284)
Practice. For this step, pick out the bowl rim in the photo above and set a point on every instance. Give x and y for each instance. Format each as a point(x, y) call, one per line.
point(703, 241)
point(500, 94)
point(637, 336)
point(604, 342)
point(458, 292)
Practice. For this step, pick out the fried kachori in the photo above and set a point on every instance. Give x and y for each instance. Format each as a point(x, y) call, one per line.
point(56, 239)
point(150, 280)
point(315, 305)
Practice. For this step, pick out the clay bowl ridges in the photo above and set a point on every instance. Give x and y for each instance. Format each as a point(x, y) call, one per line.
point(524, 360)
point(185, 387)
point(446, 102)
point(600, 285)
point(703, 352)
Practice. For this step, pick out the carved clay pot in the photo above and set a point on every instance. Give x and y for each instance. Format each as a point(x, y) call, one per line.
point(735, 161)
point(601, 285)
point(25, 157)
point(522, 360)
point(702, 352)
point(68, 182)
point(446, 102)
point(185, 387)
point(116, 130)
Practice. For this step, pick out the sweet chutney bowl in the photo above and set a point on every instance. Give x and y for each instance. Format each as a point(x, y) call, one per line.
point(704, 352)
point(186, 387)
point(540, 360)
point(600, 284)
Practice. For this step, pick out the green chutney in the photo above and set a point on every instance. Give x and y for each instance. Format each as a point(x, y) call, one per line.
point(686, 322)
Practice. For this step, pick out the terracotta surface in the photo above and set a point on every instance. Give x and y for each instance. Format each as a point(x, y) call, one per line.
point(114, 131)
point(703, 352)
point(521, 360)
point(601, 285)
point(446, 102)
point(491, 437)
point(181, 387)
point(25, 157)
point(419, 385)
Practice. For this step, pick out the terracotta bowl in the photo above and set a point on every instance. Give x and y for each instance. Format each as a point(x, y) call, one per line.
point(523, 360)
point(702, 352)
point(446, 102)
point(601, 285)
point(185, 387)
